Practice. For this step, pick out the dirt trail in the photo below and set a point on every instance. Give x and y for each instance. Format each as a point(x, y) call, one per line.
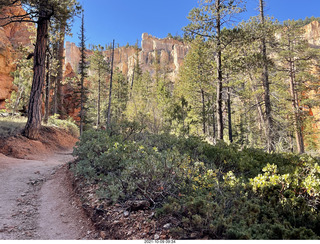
point(37, 202)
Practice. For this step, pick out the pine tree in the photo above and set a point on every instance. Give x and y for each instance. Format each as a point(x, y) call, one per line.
point(251, 92)
point(207, 21)
point(296, 61)
point(83, 74)
point(194, 86)
point(42, 11)
point(100, 67)
point(110, 88)
point(121, 95)
point(266, 84)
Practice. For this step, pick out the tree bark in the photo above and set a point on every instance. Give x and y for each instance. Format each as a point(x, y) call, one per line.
point(82, 76)
point(203, 112)
point(259, 108)
point(54, 81)
point(229, 116)
point(266, 86)
point(99, 99)
point(213, 122)
point(46, 112)
point(110, 91)
point(60, 58)
point(296, 110)
point(33, 125)
point(219, 73)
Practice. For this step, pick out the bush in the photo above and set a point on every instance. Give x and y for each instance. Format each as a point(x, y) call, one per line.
point(128, 170)
point(11, 125)
point(68, 125)
point(216, 191)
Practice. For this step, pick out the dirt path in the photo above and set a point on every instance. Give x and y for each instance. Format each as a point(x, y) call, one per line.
point(37, 202)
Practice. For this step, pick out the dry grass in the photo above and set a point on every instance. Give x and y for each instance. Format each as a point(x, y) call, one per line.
point(11, 125)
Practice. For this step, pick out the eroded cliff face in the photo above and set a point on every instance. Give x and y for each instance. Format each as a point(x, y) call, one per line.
point(6, 67)
point(169, 51)
point(72, 55)
point(11, 37)
point(312, 34)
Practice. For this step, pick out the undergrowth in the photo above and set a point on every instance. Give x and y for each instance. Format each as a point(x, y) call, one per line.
point(219, 191)
point(11, 125)
point(68, 125)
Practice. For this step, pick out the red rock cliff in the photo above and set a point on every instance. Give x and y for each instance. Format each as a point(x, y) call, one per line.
point(11, 37)
point(171, 53)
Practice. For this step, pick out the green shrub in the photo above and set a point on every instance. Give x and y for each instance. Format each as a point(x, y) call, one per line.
point(128, 170)
point(216, 191)
point(11, 125)
point(69, 125)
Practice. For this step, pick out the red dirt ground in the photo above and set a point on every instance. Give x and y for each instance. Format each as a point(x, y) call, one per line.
point(37, 200)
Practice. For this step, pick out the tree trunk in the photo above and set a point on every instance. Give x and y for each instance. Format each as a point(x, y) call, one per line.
point(259, 108)
point(110, 91)
point(214, 134)
point(60, 58)
point(229, 116)
point(219, 74)
point(82, 67)
point(99, 99)
point(295, 110)
point(33, 125)
point(266, 86)
point(46, 112)
point(203, 112)
point(54, 81)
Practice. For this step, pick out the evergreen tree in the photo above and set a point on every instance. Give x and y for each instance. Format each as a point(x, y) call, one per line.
point(110, 88)
point(207, 20)
point(250, 64)
point(121, 95)
point(266, 84)
point(100, 68)
point(41, 11)
point(83, 75)
point(194, 85)
point(296, 61)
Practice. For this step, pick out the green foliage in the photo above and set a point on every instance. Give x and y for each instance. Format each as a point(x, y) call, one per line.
point(11, 125)
point(120, 95)
point(22, 80)
point(217, 191)
point(99, 68)
point(125, 169)
point(194, 91)
point(68, 125)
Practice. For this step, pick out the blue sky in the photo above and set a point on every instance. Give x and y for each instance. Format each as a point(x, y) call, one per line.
point(126, 20)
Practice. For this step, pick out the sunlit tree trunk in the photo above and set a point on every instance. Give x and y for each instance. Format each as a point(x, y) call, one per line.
point(296, 110)
point(219, 73)
point(47, 89)
point(33, 125)
point(110, 91)
point(266, 86)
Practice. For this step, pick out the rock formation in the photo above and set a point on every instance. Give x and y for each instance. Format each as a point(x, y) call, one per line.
point(171, 53)
point(6, 67)
point(11, 37)
point(312, 34)
point(72, 55)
